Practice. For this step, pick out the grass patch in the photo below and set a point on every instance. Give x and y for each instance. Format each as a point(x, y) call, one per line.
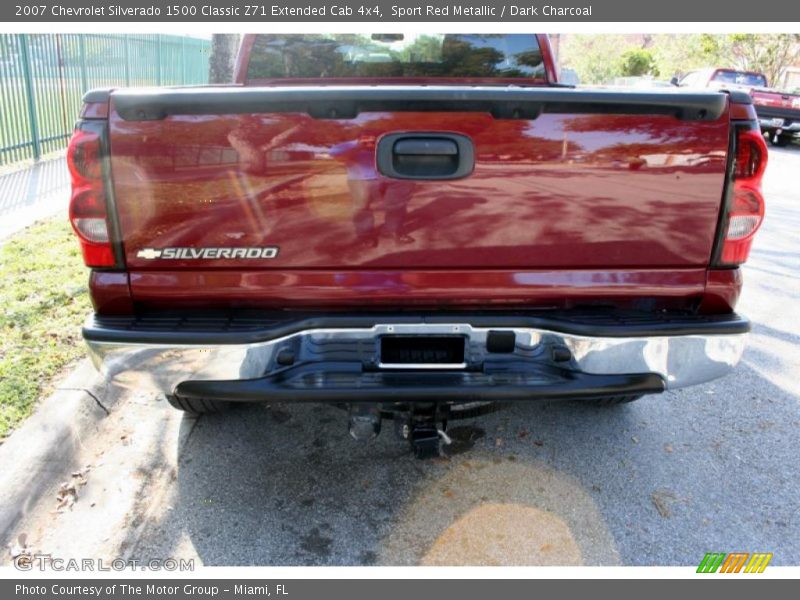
point(44, 299)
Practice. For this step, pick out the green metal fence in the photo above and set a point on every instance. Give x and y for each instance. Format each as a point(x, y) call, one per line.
point(44, 76)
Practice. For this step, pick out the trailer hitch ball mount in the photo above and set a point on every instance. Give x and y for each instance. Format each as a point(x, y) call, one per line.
point(423, 427)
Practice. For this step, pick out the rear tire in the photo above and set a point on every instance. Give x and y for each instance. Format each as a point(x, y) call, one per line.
point(614, 400)
point(197, 406)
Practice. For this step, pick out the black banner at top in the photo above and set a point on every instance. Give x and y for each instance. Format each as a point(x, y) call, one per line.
point(399, 11)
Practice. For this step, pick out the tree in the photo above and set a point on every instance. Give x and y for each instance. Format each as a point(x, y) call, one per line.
point(592, 56)
point(638, 62)
point(677, 54)
point(223, 56)
point(768, 54)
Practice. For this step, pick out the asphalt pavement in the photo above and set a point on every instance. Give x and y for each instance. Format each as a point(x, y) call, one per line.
point(661, 481)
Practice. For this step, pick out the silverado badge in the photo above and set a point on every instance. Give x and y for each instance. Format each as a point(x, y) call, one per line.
point(207, 253)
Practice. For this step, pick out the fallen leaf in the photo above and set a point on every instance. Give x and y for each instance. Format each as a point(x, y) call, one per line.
point(661, 500)
point(634, 439)
point(67, 494)
point(83, 472)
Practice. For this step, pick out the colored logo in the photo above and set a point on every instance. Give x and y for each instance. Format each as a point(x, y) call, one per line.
point(736, 562)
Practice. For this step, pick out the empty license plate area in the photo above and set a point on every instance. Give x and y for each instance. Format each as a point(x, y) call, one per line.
point(422, 351)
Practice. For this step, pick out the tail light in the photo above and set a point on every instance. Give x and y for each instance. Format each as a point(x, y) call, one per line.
point(88, 211)
point(746, 207)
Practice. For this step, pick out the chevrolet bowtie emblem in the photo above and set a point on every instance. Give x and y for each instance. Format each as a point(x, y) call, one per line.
point(148, 253)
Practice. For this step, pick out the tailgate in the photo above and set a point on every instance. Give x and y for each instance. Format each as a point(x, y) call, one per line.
point(777, 105)
point(289, 178)
point(775, 99)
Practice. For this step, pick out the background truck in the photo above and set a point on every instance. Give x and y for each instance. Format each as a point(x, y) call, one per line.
point(413, 225)
point(778, 112)
point(725, 79)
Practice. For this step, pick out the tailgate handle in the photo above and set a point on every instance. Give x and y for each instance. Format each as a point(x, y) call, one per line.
point(425, 155)
point(426, 147)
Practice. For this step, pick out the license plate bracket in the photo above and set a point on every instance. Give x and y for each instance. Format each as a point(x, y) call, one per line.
point(422, 351)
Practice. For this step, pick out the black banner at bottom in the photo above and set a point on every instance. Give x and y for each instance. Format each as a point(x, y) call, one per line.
point(382, 589)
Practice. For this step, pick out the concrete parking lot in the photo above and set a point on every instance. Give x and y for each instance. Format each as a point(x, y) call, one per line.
point(661, 481)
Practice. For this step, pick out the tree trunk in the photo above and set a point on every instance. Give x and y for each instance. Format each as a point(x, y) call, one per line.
point(223, 56)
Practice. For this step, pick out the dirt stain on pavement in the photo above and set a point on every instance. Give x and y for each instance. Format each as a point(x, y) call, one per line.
point(485, 512)
point(505, 534)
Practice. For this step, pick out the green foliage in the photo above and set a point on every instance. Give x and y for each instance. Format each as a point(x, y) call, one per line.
point(592, 56)
point(638, 62)
point(601, 58)
point(676, 55)
point(763, 53)
point(44, 299)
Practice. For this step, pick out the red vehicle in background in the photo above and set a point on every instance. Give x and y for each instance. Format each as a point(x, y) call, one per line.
point(413, 225)
point(778, 112)
point(725, 79)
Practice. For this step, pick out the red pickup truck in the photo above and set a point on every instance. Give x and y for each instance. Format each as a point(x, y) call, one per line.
point(778, 112)
point(413, 225)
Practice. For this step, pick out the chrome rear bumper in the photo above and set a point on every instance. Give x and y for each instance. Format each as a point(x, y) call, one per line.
point(792, 127)
point(159, 366)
